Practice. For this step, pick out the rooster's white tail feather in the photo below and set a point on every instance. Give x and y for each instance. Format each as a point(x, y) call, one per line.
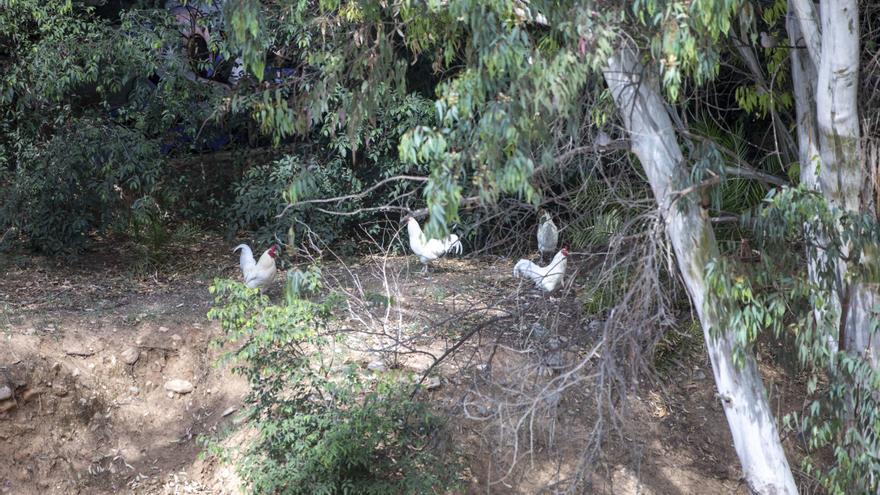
point(246, 261)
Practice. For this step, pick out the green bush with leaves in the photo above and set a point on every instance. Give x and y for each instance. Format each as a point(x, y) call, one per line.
point(324, 427)
point(84, 122)
point(89, 177)
point(259, 199)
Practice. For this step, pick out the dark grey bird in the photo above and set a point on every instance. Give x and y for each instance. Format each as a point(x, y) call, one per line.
point(548, 235)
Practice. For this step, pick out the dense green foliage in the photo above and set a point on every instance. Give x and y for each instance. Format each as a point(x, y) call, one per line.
point(60, 191)
point(324, 426)
point(118, 124)
point(87, 124)
point(776, 296)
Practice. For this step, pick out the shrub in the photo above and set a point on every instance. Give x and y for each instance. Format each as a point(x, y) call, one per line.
point(260, 198)
point(80, 133)
point(86, 178)
point(323, 427)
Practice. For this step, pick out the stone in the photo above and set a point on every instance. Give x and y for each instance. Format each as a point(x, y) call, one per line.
point(179, 386)
point(538, 331)
point(5, 392)
point(420, 362)
point(130, 355)
point(432, 383)
point(554, 360)
point(377, 365)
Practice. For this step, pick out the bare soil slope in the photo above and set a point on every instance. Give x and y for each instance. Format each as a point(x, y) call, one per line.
point(88, 348)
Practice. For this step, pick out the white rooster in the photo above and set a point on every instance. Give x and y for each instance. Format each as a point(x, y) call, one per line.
point(257, 273)
point(546, 278)
point(548, 235)
point(429, 249)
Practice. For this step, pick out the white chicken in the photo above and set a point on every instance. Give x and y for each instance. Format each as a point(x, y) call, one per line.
point(548, 235)
point(429, 249)
point(547, 278)
point(257, 273)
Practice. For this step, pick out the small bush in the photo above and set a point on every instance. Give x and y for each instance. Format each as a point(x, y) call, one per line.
point(323, 427)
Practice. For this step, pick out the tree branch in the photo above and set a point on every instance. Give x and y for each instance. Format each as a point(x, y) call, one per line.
point(808, 18)
point(711, 181)
point(352, 196)
point(743, 168)
point(464, 203)
point(789, 148)
point(750, 173)
point(470, 333)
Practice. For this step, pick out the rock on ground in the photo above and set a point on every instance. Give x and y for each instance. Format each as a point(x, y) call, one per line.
point(130, 355)
point(179, 386)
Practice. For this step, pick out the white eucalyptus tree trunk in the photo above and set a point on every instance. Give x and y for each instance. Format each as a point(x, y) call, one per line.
point(804, 77)
point(837, 113)
point(829, 67)
point(741, 390)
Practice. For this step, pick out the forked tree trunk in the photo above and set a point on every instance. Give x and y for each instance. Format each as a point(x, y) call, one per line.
point(804, 78)
point(841, 175)
point(742, 393)
point(841, 178)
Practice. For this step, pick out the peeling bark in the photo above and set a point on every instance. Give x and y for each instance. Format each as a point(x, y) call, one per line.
point(808, 18)
point(804, 80)
point(841, 176)
point(742, 393)
point(859, 339)
point(837, 115)
point(832, 90)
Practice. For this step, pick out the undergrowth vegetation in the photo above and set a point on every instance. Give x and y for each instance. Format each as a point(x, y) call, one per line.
point(325, 426)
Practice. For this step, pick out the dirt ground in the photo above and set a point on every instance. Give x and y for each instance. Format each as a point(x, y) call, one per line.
point(90, 347)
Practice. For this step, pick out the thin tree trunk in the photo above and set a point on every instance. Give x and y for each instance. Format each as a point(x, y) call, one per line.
point(742, 393)
point(808, 19)
point(804, 79)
